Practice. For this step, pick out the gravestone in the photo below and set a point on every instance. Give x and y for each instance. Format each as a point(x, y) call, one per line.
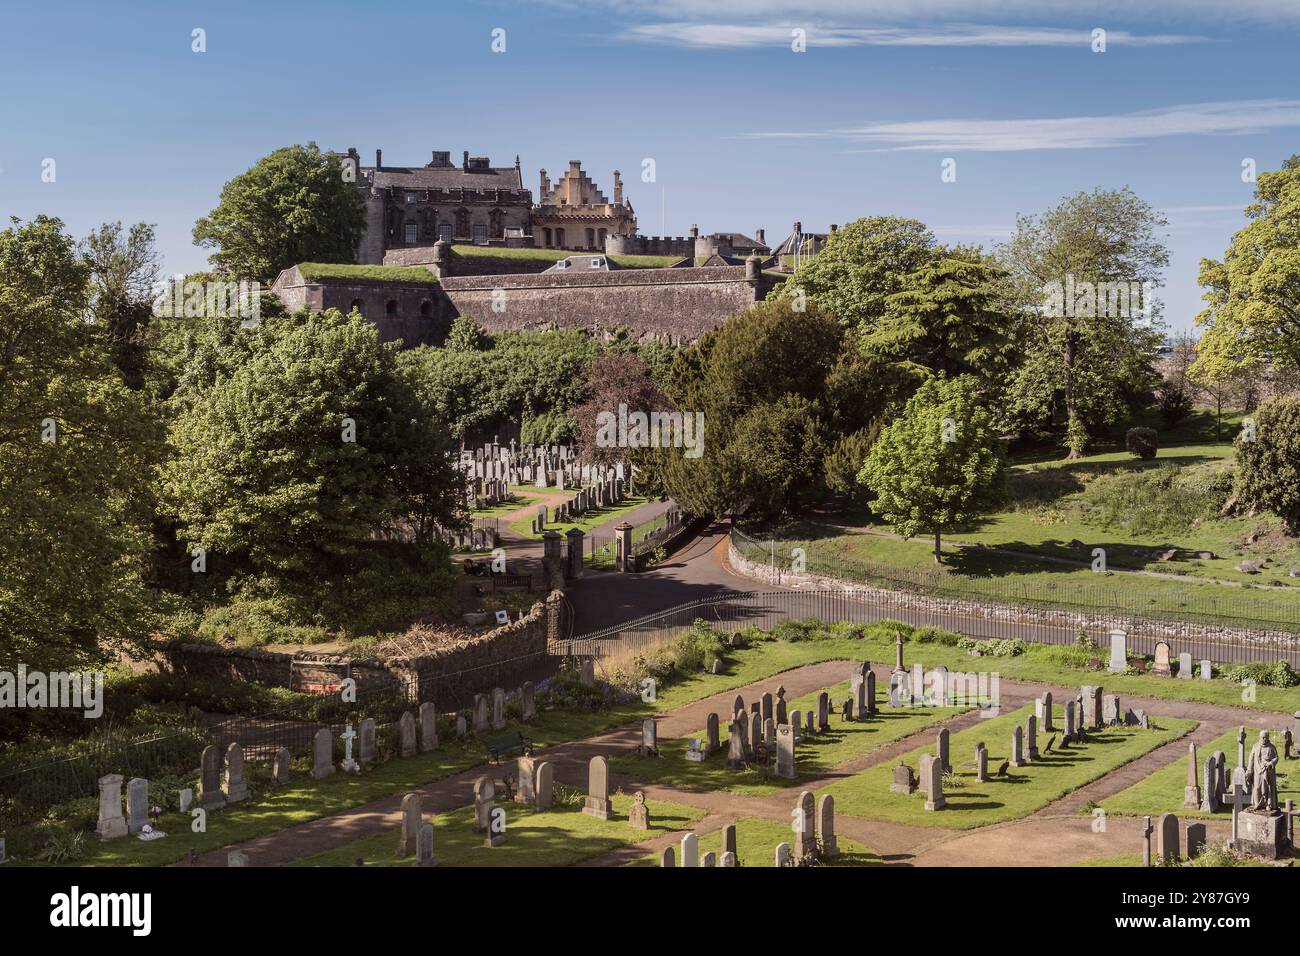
point(784, 855)
point(742, 723)
point(809, 727)
point(1220, 774)
point(428, 727)
point(484, 803)
point(1161, 665)
point(805, 816)
point(1018, 746)
point(528, 701)
point(666, 856)
point(462, 727)
point(1192, 791)
point(526, 781)
point(1110, 710)
point(781, 715)
point(826, 825)
point(903, 781)
point(1185, 666)
point(1031, 737)
point(349, 765)
point(366, 742)
point(1210, 786)
point(755, 737)
point(406, 734)
point(480, 718)
point(649, 738)
point(1241, 748)
point(498, 709)
point(1071, 727)
point(639, 816)
point(729, 839)
point(412, 808)
point(111, 823)
point(237, 858)
point(137, 804)
point(942, 750)
point(708, 860)
point(597, 803)
point(823, 712)
point(424, 846)
point(186, 796)
point(847, 711)
point(729, 861)
point(1207, 670)
point(738, 705)
point(769, 736)
point(785, 752)
point(713, 745)
point(859, 689)
point(796, 725)
point(279, 767)
point(690, 850)
point(1195, 840)
point(211, 796)
point(587, 672)
point(1167, 838)
point(693, 752)
point(765, 705)
point(1045, 713)
point(1091, 706)
point(236, 786)
point(735, 747)
point(545, 786)
point(1118, 652)
point(938, 687)
point(934, 785)
point(981, 763)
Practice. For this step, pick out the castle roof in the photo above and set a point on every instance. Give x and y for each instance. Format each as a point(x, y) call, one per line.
point(444, 177)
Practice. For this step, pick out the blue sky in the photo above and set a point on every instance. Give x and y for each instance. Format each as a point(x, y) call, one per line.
point(745, 133)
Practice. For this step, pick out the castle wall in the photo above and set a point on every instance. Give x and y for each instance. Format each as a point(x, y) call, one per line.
point(683, 246)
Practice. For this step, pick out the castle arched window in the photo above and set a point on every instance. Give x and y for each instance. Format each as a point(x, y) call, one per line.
point(426, 308)
point(462, 223)
point(391, 307)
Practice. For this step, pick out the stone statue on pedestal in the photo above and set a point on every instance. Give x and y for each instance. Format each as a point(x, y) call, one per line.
point(1261, 775)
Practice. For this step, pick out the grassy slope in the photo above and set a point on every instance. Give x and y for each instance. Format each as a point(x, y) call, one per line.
point(844, 741)
point(587, 521)
point(1162, 792)
point(560, 836)
point(406, 275)
point(1023, 791)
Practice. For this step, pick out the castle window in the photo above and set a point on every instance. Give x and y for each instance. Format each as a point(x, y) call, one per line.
point(444, 231)
point(480, 233)
point(409, 232)
point(546, 236)
point(591, 238)
point(559, 238)
point(391, 307)
point(426, 308)
point(410, 197)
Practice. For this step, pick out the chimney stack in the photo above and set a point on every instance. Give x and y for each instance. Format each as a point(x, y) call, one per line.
point(618, 189)
point(379, 159)
point(760, 236)
point(546, 187)
point(695, 231)
point(465, 161)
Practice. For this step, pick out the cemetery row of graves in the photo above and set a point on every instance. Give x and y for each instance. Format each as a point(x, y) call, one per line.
point(962, 755)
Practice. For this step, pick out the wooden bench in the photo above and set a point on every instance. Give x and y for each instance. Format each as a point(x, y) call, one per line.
point(503, 745)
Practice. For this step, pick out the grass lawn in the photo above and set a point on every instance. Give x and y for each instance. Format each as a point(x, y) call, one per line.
point(512, 504)
point(1162, 792)
point(844, 741)
point(585, 522)
point(561, 836)
point(406, 275)
point(1119, 859)
point(1023, 791)
point(756, 842)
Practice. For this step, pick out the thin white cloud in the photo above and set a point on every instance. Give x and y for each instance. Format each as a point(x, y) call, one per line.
point(713, 36)
point(1225, 118)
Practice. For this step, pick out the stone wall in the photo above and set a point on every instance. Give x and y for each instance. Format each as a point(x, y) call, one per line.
point(683, 246)
point(418, 314)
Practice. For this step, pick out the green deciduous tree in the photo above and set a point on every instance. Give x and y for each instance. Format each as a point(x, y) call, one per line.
point(292, 206)
point(123, 268)
point(937, 466)
point(1268, 460)
point(1252, 295)
point(77, 449)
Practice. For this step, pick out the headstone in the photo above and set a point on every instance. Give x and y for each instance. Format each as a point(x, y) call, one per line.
point(484, 803)
point(735, 747)
point(210, 795)
point(349, 764)
point(810, 726)
point(480, 724)
point(526, 781)
point(981, 763)
point(1147, 830)
point(236, 786)
point(904, 781)
point(1185, 666)
point(823, 712)
point(1031, 737)
point(796, 725)
point(587, 672)
point(1207, 670)
point(690, 850)
point(111, 823)
point(1195, 840)
point(781, 716)
point(649, 737)
point(729, 861)
point(1192, 791)
point(237, 858)
point(639, 816)
point(785, 752)
point(1210, 786)
point(462, 727)
point(1110, 710)
point(597, 804)
point(498, 709)
point(1071, 725)
point(942, 750)
point(137, 804)
point(1018, 746)
point(366, 742)
point(1091, 706)
point(709, 859)
point(826, 825)
point(693, 752)
point(1221, 774)
point(428, 727)
point(713, 744)
point(406, 734)
point(1167, 838)
point(424, 846)
point(784, 855)
point(1241, 748)
point(1045, 713)
point(934, 784)
point(1161, 665)
point(738, 704)
point(1118, 652)
point(186, 796)
point(805, 840)
point(412, 808)
point(755, 736)
point(859, 689)
point(528, 701)
point(765, 702)
point(939, 686)
point(729, 839)
point(666, 856)
point(545, 786)
point(769, 736)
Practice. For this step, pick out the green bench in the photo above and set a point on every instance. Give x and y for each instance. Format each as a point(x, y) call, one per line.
point(504, 745)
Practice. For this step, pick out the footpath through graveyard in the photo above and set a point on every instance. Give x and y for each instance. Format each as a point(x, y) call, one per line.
point(1058, 834)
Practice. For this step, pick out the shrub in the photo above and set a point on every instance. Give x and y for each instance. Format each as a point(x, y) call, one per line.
point(935, 635)
point(1142, 442)
point(1269, 459)
point(797, 631)
point(1278, 674)
point(1162, 500)
point(996, 647)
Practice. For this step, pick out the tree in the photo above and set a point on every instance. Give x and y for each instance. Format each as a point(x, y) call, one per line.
point(1268, 461)
point(123, 270)
point(292, 470)
point(937, 466)
point(947, 317)
point(1077, 270)
point(860, 266)
point(77, 449)
point(292, 206)
point(616, 378)
point(1252, 295)
point(1176, 394)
